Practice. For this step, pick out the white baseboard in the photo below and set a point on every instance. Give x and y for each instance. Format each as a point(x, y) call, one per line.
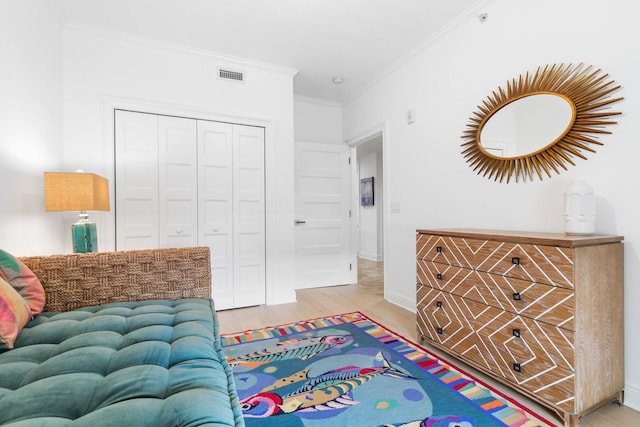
point(632, 396)
point(400, 300)
point(370, 256)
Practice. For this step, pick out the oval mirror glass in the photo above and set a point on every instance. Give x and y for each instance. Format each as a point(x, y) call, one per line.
point(527, 125)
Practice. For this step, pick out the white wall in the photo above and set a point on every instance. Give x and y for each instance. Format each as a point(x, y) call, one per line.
point(369, 218)
point(30, 125)
point(432, 185)
point(317, 120)
point(104, 70)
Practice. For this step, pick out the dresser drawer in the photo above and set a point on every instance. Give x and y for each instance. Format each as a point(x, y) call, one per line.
point(465, 326)
point(544, 264)
point(533, 355)
point(542, 302)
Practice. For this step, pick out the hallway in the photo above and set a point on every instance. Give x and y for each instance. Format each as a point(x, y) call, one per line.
point(371, 276)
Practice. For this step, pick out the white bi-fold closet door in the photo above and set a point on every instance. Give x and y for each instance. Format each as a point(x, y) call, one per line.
point(187, 182)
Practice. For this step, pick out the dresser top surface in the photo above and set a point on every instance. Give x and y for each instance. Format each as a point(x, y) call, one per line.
point(531, 237)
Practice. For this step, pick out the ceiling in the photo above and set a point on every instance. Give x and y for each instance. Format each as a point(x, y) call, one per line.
point(360, 40)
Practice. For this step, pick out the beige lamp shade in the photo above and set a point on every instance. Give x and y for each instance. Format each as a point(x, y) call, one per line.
point(75, 191)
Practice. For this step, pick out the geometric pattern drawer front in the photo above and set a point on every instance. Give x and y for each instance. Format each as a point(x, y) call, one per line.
point(448, 327)
point(539, 263)
point(542, 302)
point(534, 355)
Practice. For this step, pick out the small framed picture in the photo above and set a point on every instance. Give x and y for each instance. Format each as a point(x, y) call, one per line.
point(366, 192)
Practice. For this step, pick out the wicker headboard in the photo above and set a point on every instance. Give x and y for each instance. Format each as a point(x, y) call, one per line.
point(75, 280)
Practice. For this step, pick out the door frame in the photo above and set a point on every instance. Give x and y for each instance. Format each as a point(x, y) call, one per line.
point(380, 130)
point(107, 230)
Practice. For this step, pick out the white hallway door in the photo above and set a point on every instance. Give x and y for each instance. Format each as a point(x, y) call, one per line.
point(186, 182)
point(324, 256)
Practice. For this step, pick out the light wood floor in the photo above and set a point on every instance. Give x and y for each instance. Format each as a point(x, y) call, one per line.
point(366, 298)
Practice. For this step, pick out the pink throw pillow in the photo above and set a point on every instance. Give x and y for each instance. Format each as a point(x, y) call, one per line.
point(23, 280)
point(14, 314)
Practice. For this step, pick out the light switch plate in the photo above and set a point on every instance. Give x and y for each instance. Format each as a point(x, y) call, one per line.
point(411, 115)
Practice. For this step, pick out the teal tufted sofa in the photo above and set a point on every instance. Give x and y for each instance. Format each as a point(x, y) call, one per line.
point(126, 339)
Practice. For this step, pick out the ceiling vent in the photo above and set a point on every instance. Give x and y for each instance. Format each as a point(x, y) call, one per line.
point(226, 74)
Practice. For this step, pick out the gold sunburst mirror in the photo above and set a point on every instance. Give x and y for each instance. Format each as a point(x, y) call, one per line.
point(540, 123)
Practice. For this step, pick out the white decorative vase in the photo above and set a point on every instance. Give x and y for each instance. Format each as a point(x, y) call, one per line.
point(579, 209)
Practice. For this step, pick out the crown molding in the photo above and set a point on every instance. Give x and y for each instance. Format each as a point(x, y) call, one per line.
point(56, 8)
point(471, 11)
point(318, 101)
point(133, 38)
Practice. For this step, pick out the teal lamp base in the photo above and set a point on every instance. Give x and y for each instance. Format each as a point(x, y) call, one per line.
point(84, 237)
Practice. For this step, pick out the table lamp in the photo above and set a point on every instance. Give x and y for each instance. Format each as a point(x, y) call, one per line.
point(77, 191)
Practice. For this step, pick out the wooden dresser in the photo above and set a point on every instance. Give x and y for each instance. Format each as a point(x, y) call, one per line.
point(540, 312)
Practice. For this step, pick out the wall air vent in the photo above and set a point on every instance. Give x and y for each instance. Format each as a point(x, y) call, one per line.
point(236, 76)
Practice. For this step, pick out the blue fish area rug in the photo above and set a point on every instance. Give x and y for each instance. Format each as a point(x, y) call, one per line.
point(350, 371)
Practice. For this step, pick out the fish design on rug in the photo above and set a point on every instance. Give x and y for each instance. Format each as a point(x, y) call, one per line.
point(325, 392)
point(437, 421)
point(303, 348)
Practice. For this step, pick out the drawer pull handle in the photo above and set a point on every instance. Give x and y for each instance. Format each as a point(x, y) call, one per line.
point(516, 333)
point(515, 260)
point(439, 276)
point(438, 249)
point(516, 296)
point(439, 304)
point(517, 367)
point(440, 331)
point(418, 285)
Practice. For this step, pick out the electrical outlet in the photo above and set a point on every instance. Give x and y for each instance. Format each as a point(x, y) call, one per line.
point(411, 115)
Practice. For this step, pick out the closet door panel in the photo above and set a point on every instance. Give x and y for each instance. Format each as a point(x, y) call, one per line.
point(136, 180)
point(178, 182)
point(215, 212)
point(187, 182)
point(249, 215)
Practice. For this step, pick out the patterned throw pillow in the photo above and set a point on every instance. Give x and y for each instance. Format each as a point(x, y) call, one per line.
point(14, 314)
point(23, 280)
